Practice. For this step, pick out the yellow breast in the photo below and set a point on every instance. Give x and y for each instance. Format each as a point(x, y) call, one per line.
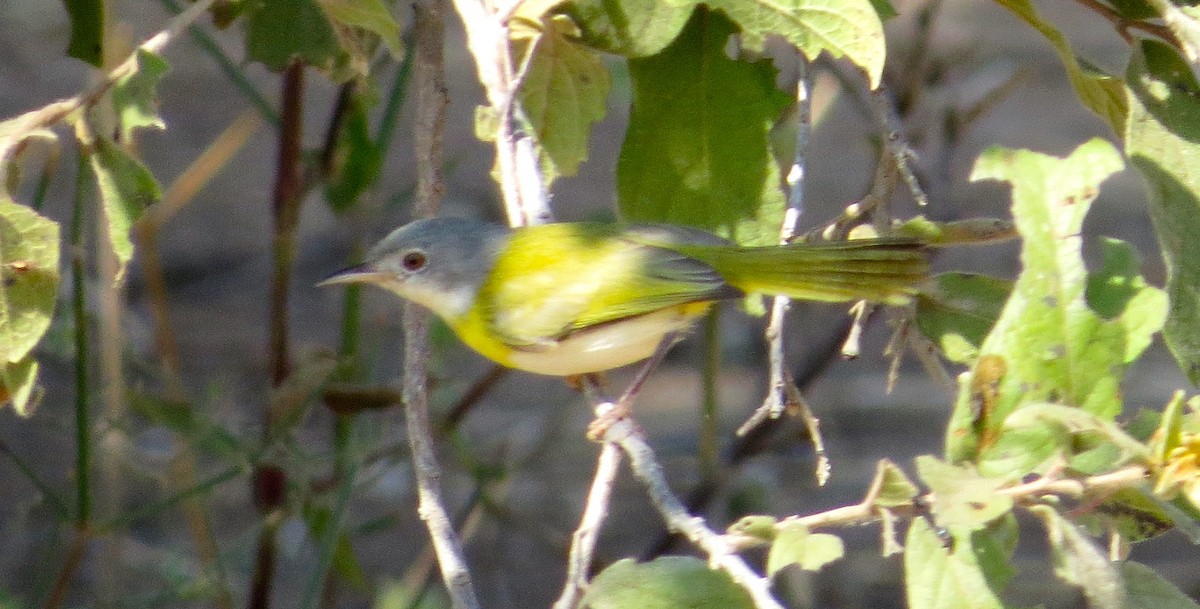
point(602, 347)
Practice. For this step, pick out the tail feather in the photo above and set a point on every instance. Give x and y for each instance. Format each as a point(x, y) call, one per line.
point(882, 270)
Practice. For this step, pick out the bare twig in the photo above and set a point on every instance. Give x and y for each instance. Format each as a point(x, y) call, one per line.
point(889, 125)
point(1028, 493)
point(721, 555)
point(624, 432)
point(525, 198)
point(775, 401)
point(429, 79)
point(583, 541)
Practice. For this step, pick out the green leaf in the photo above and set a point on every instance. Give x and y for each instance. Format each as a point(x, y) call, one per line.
point(1042, 434)
point(370, 15)
point(29, 276)
point(885, 9)
point(1100, 93)
point(1134, 9)
point(1048, 345)
point(632, 28)
point(962, 499)
point(1079, 562)
point(795, 545)
point(937, 577)
point(672, 582)
point(843, 28)
point(1145, 589)
point(1168, 434)
point(758, 526)
point(18, 382)
point(87, 30)
point(134, 97)
point(357, 160)
point(696, 152)
point(279, 30)
point(126, 189)
point(1162, 143)
point(959, 311)
point(564, 92)
point(893, 486)
point(1134, 514)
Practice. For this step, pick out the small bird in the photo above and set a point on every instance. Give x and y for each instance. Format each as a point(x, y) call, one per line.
point(580, 297)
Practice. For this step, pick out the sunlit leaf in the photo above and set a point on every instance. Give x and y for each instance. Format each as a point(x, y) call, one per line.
point(1048, 344)
point(842, 28)
point(1079, 562)
point(633, 28)
point(370, 15)
point(696, 152)
point(29, 276)
point(279, 30)
point(671, 582)
point(894, 487)
point(962, 499)
point(795, 545)
point(1163, 144)
point(565, 91)
point(1100, 93)
point(959, 310)
point(134, 97)
point(126, 188)
point(956, 577)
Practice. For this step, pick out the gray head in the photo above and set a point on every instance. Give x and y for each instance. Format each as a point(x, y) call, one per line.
point(438, 263)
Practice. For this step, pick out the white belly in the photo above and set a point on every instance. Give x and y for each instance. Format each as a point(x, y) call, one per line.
point(608, 346)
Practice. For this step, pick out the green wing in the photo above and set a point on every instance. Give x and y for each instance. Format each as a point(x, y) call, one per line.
point(555, 279)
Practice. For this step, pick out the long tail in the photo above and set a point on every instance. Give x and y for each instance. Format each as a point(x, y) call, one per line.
point(884, 270)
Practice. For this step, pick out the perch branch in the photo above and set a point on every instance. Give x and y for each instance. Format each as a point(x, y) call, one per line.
point(429, 77)
point(583, 541)
point(622, 431)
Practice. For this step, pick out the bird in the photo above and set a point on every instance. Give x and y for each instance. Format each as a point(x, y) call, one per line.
point(574, 298)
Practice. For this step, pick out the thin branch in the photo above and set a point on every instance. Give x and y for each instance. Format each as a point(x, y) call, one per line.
point(583, 541)
point(614, 426)
point(525, 198)
point(429, 77)
point(626, 434)
point(889, 125)
point(1027, 493)
point(776, 400)
point(1123, 25)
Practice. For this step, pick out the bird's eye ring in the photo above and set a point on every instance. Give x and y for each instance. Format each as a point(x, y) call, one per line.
point(413, 261)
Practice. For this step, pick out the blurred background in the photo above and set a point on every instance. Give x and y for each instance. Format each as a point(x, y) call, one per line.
point(517, 464)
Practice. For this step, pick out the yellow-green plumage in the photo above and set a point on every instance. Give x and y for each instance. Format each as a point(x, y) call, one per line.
point(583, 297)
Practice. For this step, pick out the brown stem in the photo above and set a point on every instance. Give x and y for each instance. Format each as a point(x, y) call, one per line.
point(285, 208)
point(268, 480)
point(1123, 25)
point(71, 562)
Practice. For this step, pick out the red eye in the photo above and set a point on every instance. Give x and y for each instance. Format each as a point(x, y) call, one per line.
point(413, 261)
